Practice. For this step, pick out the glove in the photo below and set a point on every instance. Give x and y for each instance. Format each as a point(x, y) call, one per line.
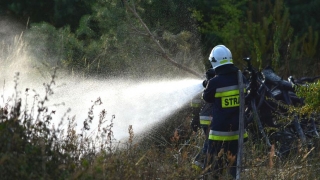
point(195, 124)
point(210, 74)
point(204, 83)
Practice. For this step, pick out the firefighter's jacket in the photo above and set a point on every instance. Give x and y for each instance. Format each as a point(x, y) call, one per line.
point(201, 111)
point(205, 115)
point(223, 92)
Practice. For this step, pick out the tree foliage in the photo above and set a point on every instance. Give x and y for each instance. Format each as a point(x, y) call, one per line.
point(111, 39)
point(56, 12)
point(265, 30)
point(282, 33)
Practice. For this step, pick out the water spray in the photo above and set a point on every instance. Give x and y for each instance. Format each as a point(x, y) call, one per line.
point(141, 104)
point(136, 102)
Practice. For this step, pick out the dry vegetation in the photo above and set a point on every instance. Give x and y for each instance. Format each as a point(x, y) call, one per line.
point(32, 149)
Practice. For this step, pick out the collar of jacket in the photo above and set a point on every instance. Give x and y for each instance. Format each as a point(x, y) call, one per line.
point(226, 69)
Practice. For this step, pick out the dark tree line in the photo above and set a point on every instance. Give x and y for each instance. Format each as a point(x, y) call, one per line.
point(56, 12)
point(278, 33)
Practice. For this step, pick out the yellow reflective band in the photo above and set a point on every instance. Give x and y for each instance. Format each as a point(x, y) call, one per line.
point(226, 137)
point(225, 61)
point(231, 101)
point(195, 105)
point(227, 93)
point(205, 122)
point(229, 96)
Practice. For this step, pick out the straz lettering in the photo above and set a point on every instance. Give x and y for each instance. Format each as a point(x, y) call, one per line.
point(230, 101)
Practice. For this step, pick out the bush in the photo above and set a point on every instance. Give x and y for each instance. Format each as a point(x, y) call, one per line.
point(31, 149)
point(311, 96)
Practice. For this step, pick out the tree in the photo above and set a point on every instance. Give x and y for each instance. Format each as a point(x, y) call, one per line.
point(110, 40)
point(161, 50)
point(56, 12)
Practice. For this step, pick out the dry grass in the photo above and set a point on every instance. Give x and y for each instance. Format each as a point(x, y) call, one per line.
point(31, 149)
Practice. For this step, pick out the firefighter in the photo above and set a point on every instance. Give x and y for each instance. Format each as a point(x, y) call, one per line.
point(223, 92)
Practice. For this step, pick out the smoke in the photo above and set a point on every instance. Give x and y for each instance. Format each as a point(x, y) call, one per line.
point(136, 102)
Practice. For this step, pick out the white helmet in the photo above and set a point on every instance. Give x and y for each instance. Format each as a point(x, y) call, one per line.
point(220, 55)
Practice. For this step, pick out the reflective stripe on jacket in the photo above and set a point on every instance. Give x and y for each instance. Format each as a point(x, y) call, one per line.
point(229, 96)
point(196, 103)
point(225, 136)
point(206, 114)
point(205, 120)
